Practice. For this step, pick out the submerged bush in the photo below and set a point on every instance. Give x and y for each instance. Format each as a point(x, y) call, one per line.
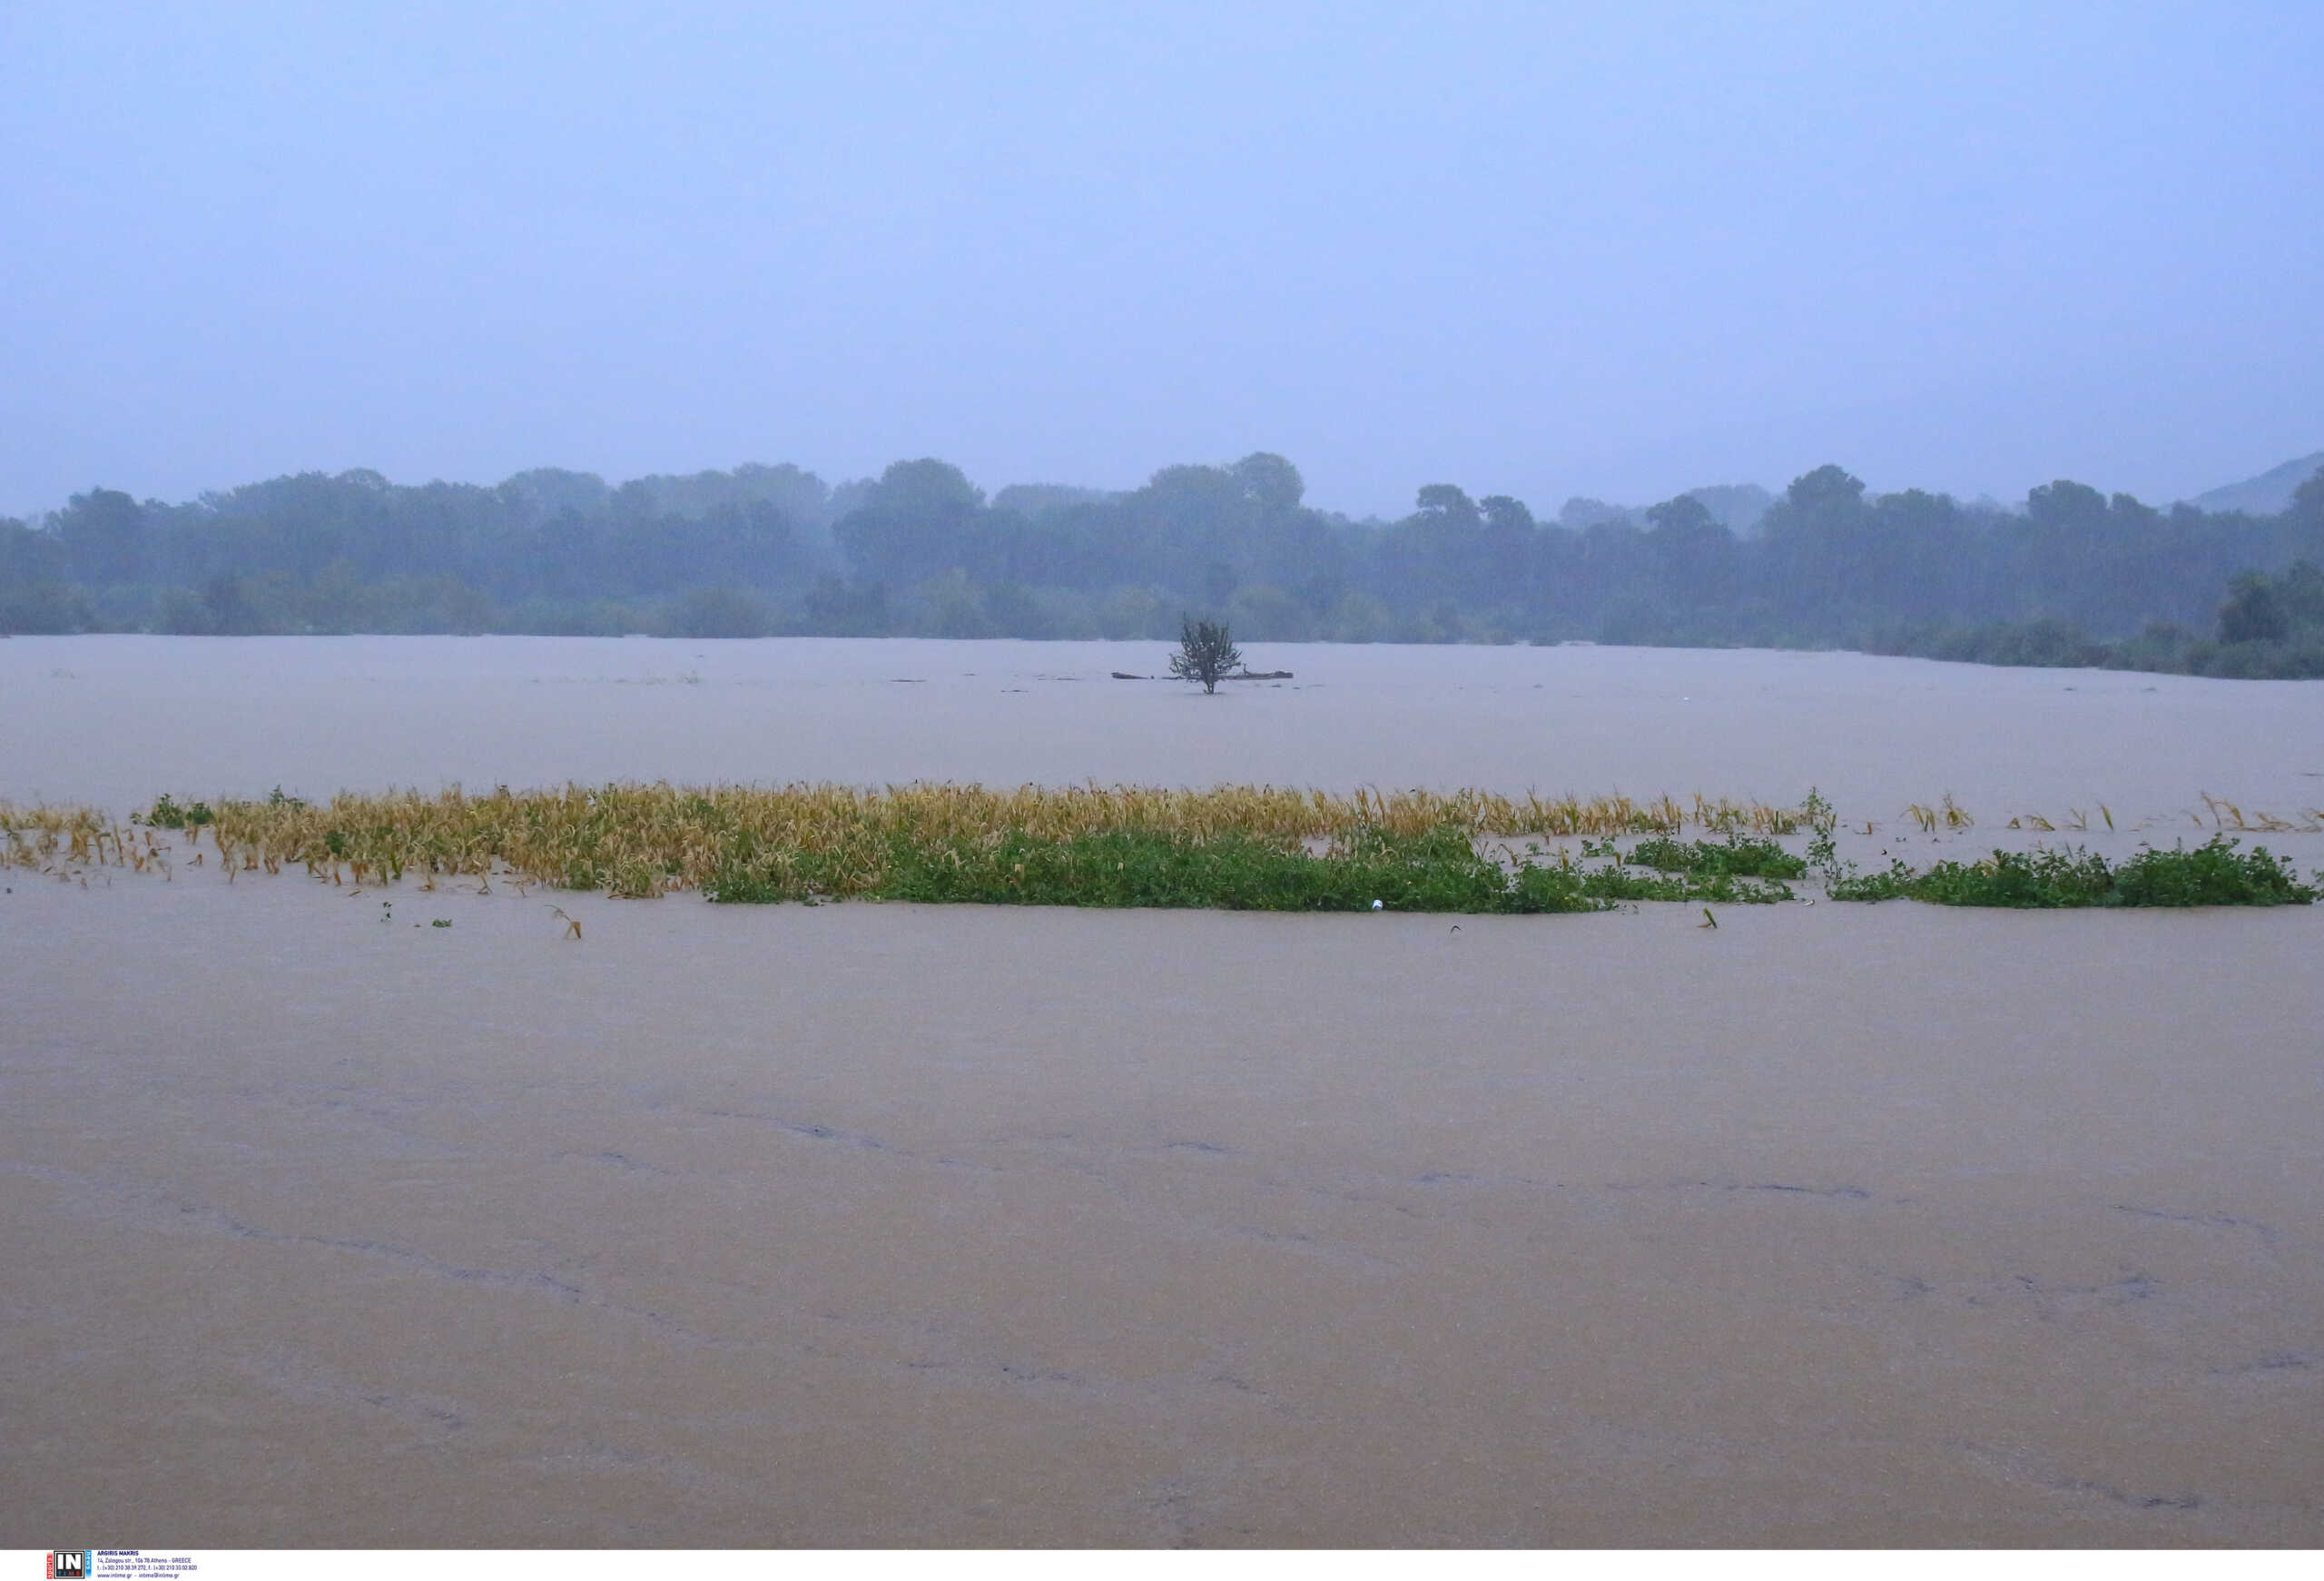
point(1739, 856)
point(1895, 883)
point(1436, 871)
point(165, 814)
point(2214, 873)
point(2013, 878)
point(1627, 883)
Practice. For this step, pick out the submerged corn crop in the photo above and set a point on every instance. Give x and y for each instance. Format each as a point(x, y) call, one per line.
point(647, 839)
point(1235, 846)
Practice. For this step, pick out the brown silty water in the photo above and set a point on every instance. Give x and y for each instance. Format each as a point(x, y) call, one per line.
point(886, 1224)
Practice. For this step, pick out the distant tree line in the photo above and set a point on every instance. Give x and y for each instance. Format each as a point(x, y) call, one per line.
point(2076, 577)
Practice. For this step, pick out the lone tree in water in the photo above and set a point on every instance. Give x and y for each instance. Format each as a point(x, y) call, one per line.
point(1205, 653)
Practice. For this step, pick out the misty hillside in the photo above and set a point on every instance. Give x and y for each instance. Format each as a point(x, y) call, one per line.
point(2077, 577)
point(2267, 494)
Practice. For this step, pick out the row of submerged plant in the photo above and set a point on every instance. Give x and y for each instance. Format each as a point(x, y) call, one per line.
point(1234, 847)
point(648, 839)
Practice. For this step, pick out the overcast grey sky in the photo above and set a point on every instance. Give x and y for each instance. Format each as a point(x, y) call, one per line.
point(1532, 248)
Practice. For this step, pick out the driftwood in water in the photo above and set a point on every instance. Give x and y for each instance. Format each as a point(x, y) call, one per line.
point(1237, 676)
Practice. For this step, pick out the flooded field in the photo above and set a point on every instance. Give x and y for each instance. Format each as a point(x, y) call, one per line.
point(885, 1224)
point(115, 719)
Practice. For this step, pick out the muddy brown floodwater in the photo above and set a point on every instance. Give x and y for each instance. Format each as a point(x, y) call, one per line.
point(886, 1224)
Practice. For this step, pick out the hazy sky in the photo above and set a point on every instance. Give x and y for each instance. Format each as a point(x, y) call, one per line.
point(1537, 249)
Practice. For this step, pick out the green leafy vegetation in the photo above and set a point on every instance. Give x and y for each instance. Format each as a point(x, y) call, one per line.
point(165, 814)
point(1205, 653)
point(1738, 855)
point(2216, 873)
point(1439, 870)
point(1434, 872)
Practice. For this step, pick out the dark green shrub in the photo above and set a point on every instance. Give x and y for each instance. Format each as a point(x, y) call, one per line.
point(165, 814)
point(2023, 879)
point(1739, 856)
point(2213, 873)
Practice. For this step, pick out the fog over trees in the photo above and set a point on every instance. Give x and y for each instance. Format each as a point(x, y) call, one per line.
point(2075, 576)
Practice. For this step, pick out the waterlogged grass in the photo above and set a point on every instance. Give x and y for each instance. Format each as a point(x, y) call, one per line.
point(2216, 873)
point(1234, 847)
